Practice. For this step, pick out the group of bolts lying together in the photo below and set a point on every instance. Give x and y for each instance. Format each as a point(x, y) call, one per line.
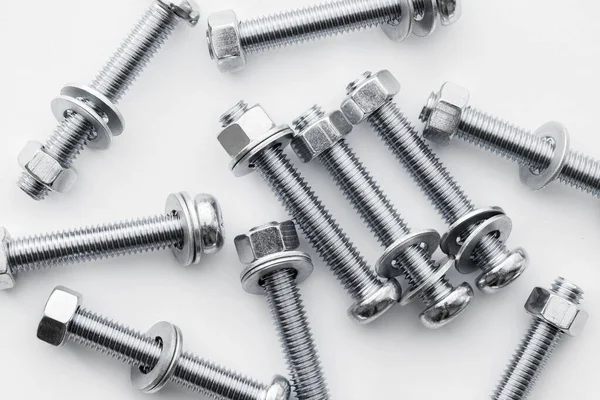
point(191, 227)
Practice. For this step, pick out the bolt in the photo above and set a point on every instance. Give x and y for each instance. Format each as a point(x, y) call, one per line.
point(229, 40)
point(555, 311)
point(274, 267)
point(323, 136)
point(543, 156)
point(476, 237)
point(255, 142)
point(88, 115)
point(156, 357)
point(190, 227)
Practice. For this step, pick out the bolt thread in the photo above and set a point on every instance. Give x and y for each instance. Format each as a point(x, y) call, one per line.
point(141, 350)
point(318, 225)
point(34, 189)
point(96, 242)
point(519, 145)
point(432, 177)
point(295, 335)
point(419, 8)
point(315, 22)
point(535, 350)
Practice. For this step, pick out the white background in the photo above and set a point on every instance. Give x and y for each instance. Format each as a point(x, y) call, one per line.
point(528, 61)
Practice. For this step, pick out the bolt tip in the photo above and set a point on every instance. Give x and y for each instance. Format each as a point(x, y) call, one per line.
point(309, 117)
point(233, 114)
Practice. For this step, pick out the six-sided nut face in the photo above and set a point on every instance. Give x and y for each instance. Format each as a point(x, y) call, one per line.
point(370, 95)
point(445, 113)
point(321, 135)
point(7, 280)
point(556, 310)
point(265, 240)
point(187, 10)
point(253, 124)
point(58, 314)
point(46, 169)
point(224, 44)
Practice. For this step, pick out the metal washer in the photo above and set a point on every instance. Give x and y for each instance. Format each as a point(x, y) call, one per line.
point(426, 25)
point(445, 265)
point(385, 265)
point(398, 30)
point(172, 344)
point(449, 243)
point(242, 164)
point(559, 134)
point(252, 276)
point(192, 249)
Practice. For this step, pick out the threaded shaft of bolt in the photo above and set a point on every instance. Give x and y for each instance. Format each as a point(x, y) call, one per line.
point(295, 335)
point(91, 243)
point(534, 351)
point(519, 145)
point(318, 225)
point(141, 350)
point(311, 23)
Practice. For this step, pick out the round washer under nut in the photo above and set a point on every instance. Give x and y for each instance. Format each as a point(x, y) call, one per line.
point(253, 275)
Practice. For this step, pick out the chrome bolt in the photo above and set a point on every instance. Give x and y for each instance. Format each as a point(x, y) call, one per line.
point(88, 115)
point(322, 136)
point(476, 237)
point(274, 268)
point(254, 142)
point(229, 40)
point(555, 311)
point(156, 357)
point(543, 155)
point(190, 227)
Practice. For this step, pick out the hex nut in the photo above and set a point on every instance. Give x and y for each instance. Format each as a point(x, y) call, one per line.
point(320, 136)
point(187, 10)
point(252, 124)
point(59, 311)
point(369, 95)
point(45, 169)
point(7, 280)
point(265, 240)
point(445, 114)
point(556, 310)
point(224, 43)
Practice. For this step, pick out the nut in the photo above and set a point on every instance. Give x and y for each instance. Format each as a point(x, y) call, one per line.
point(187, 10)
point(7, 280)
point(58, 314)
point(445, 113)
point(239, 133)
point(556, 310)
point(45, 169)
point(224, 44)
point(450, 11)
point(265, 240)
point(369, 94)
point(320, 134)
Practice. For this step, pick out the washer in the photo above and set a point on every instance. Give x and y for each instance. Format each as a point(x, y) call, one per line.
point(252, 276)
point(192, 249)
point(444, 267)
point(241, 165)
point(449, 244)
point(385, 265)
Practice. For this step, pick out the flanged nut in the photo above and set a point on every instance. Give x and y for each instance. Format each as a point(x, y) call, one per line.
point(265, 240)
point(316, 135)
point(444, 113)
point(368, 94)
point(7, 280)
point(556, 310)
point(59, 311)
point(224, 43)
point(187, 10)
point(45, 169)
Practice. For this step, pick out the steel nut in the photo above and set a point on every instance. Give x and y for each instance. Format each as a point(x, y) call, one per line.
point(556, 310)
point(321, 135)
point(224, 42)
point(7, 280)
point(272, 238)
point(445, 113)
point(58, 314)
point(187, 10)
point(252, 124)
point(45, 169)
point(370, 94)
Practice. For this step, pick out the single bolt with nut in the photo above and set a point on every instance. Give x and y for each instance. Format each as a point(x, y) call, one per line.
point(322, 136)
point(229, 39)
point(88, 115)
point(274, 268)
point(156, 357)
point(544, 155)
point(255, 142)
point(555, 312)
point(475, 237)
point(190, 227)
